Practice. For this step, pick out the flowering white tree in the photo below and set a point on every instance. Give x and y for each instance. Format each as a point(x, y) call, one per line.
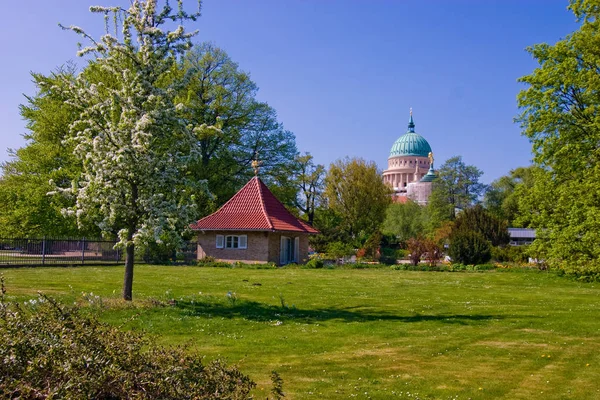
point(134, 148)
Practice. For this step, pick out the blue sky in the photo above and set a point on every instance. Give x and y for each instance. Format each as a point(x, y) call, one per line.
point(342, 74)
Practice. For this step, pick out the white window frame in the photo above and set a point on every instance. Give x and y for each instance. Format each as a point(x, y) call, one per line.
point(235, 242)
point(220, 241)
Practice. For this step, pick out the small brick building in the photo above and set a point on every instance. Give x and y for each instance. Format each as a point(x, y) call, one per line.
point(253, 227)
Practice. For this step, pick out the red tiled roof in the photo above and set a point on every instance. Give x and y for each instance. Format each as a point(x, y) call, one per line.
point(253, 208)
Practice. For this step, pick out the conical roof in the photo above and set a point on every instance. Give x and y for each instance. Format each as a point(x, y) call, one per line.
point(253, 208)
point(430, 176)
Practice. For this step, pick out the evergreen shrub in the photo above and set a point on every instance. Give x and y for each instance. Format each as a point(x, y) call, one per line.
point(49, 350)
point(468, 247)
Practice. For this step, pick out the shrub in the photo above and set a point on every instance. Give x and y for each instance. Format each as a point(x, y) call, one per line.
point(433, 253)
point(401, 253)
point(49, 350)
point(478, 219)
point(468, 247)
point(339, 250)
point(516, 254)
point(387, 260)
point(416, 248)
point(314, 263)
point(206, 260)
point(159, 253)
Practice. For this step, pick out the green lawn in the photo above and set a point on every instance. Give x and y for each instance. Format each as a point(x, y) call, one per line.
point(372, 333)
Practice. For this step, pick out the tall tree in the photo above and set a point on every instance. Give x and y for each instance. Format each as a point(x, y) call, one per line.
point(501, 197)
point(457, 186)
point(309, 182)
point(128, 133)
point(405, 221)
point(217, 92)
point(27, 209)
point(355, 191)
point(561, 117)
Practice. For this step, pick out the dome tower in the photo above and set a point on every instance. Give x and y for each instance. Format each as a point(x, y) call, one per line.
point(409, 159)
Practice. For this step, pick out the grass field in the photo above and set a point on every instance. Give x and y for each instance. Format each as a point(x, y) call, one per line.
point(373, 333)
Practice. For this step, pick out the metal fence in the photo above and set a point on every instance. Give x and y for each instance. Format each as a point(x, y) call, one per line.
point(58, 252)
point(36, 252)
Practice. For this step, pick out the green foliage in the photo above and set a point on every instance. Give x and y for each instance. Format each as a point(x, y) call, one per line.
point(502, 196)
point(218, 93)
point(516, 254)
point(372, 246)
point(471, 267)
point(560, 118)
point(309, 181)
point(329, 223)
point(314, 263)
point(27, 208)
point(387, 260)
point(469, 247)
point(277, 390)
point(457, 186)
point(478, 219)
point(160, 253)
point(206, 260)
point(355, 191)
point(337, 250)
point(405, 220)
point(50, 350)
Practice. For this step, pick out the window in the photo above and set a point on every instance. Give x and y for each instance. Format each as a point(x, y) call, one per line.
point(232, 241)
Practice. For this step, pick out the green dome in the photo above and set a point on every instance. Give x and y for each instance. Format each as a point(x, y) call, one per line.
point(411, 143)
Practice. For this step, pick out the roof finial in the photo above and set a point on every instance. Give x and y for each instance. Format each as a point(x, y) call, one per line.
point(411, 123)
point(256, 164)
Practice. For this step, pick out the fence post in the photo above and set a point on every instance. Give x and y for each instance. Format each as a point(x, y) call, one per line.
point(44, 250)
point(83, 251)
point(118, 256)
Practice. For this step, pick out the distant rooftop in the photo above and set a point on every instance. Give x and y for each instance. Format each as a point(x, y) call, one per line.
point(526, 233)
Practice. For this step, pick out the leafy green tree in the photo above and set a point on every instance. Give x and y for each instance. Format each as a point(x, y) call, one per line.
point(27, 209)
point(405, 220)
point(456, 187)
point(329, 223)
point(218, 93)
point(309, 181)
point(560, 117)
point(129, 134)
point(478, 219)
point(501, 197)
point(355, 191)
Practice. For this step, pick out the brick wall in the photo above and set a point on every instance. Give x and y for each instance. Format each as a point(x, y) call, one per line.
point(256, 251)
point(263, 247)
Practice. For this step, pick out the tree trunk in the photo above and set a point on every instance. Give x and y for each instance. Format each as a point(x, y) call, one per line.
point(128, 281)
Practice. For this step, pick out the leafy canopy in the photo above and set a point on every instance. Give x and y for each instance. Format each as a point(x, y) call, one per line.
point(560, 114)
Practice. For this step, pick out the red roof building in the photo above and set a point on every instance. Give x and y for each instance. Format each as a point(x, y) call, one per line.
point(253, 226)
